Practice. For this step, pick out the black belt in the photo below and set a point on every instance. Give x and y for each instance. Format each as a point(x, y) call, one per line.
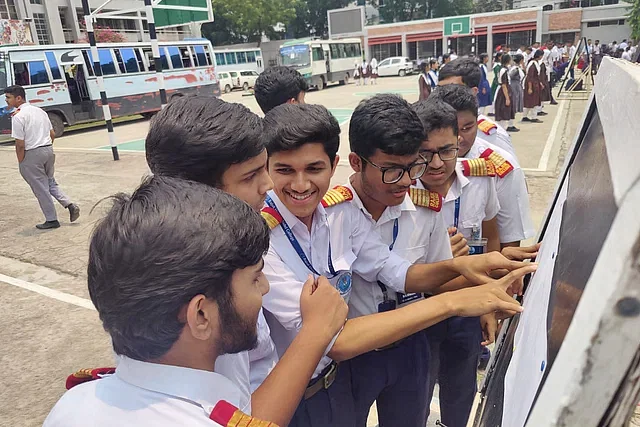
point(322, 381)
point(42, 146)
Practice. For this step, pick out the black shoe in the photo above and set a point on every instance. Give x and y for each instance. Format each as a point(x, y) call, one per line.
point(47, 225)
point(513, 129)
point(554, 102)
point(491, 115)
point(526, 119)
point(542, 113)
point(74, 212)
point(536, 121)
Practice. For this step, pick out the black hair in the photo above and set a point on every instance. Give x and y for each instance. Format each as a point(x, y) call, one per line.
point(506, 59)
point(445, 56)
point(436, 114)
point(483, 56)
point(517, 58)
point(16, 90)
point(277, 85)
point(155, 250)
point(538, 54)
point(290, 126)
point(466, 68)
point(432, 61)
point(387, 123)
point(498, 57)
point(200, 137)
point(460, 97)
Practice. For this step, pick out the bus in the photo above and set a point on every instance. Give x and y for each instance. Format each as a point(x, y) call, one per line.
point(249, 59)
point(322, 62)
point(60, 78)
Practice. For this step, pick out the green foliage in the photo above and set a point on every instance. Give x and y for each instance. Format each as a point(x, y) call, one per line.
point(634, 19)
point(311, 17)
point(403, 10)
point(240, 21)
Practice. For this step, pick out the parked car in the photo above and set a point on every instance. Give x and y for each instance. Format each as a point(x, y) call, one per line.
point(226, 82)
point(246, 79)
point(395, 66)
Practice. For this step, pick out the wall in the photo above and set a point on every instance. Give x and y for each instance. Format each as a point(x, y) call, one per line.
point(607, 33)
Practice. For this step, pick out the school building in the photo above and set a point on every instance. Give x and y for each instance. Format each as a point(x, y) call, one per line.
point(535, 21)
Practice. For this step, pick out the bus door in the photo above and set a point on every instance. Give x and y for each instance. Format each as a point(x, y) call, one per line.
point(75, 74)
point(327, 58)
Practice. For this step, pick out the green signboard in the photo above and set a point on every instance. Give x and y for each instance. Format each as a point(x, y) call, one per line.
point(182, 12)
point(458, 26)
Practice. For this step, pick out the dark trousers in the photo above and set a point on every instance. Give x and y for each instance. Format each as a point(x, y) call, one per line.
point(328, 407)
point(455, 348)
point(397, 379)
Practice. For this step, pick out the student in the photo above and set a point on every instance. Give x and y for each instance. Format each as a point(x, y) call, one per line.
point(219, 144)
point(277, 85)
point(532, 89)
point(470, 207)
point(356, 73)
point(514, 220)
point(432, 75)
point(374, 71)
point(465, 71)
point(484, 88)
point(324, 235)
point(424, 86)
point(516, 74)
point(497, 65)
point(168, 324)
point(504, 107)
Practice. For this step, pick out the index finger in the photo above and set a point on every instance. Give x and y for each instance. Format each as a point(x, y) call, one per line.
point(516, 274)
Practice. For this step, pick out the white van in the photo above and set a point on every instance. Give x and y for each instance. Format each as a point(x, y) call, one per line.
point(247, 79)
point(226, 82)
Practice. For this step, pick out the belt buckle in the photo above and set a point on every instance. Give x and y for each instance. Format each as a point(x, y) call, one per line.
point(331, 376)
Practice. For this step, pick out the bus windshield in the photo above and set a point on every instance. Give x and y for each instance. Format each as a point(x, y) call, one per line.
point(3, 74)
point(297, 56)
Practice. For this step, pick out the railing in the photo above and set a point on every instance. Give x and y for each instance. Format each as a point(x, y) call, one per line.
point(168, 35)
point(68, 35)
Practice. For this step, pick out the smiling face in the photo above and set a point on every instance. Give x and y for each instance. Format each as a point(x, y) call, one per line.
point(439, 171)
point(301, 177)
point(249, 181)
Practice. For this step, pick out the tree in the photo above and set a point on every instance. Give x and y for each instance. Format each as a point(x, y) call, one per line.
point(634, 19)
point(106, 35)
point(311, 17)
point(249, 20)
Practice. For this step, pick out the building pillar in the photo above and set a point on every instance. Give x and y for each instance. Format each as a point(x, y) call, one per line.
point(54, 24)
point(405, 46)
point(539, 27)
point(140, 28)
point(73, 19)
point(445, 44)
point(366, 50)
point(490, 45)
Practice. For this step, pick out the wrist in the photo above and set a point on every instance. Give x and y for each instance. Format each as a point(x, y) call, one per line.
point(316, 333)
point(449, 303)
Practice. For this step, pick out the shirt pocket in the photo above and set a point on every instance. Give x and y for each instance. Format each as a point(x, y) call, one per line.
point(468, 225)
point(342, 280)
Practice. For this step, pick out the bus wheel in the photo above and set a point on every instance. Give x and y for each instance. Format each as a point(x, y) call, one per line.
point(402, 73)
point(57, 123)
point(321, 85)
point(227, 89)
point(148, 114)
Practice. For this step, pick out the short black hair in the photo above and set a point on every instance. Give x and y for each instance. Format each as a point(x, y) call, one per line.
point(200, 137)
point(155, 250)
point(466, 68)
point(498, 56)
point(436, 114)
point(290, 126)
point(445, 56)
point(277, 85)
point(517, 58)
point(460, 97)
point(16, 90)
point(385, 122)
point(506, 58)
point(538, 54)
point(432, 61)
point(483, 56)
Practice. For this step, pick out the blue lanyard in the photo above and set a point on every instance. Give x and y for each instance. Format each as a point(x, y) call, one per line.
point(296, 245)
point(456, 215)
point(395, 234)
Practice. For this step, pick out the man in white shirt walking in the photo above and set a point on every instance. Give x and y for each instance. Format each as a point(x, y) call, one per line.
point(32, 130)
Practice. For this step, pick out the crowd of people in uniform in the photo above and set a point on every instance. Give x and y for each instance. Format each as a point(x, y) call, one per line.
point(238, 288)
point(366, 72)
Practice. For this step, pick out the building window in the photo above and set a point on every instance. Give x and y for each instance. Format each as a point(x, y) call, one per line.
point(35, 1)
point(8, 9)
point(42, 28)
point(593, 24)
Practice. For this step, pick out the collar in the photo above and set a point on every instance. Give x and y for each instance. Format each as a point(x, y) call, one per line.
point(319, 216)
point(201, 387)
point(390, 213)
point(455, 190)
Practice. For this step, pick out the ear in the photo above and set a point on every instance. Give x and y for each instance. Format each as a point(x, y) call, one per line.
point(202, 317)
point(475, 90)
point(334, 165)
point(356, 162)
point(292, 101)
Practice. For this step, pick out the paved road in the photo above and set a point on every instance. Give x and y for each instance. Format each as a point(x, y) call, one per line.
point(49, 330)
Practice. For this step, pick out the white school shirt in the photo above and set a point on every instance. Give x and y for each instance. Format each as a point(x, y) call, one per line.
point(626, 55)
point(500, 137)
point(353, 248)
point(422, 239)
point(32, 125)
point(514, 217)
point(146, 394)
point(478, 201)
point(433, 77)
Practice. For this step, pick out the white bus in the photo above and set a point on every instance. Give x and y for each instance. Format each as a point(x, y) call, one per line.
point(322, 61)
point(249, 59)
point(60, 79)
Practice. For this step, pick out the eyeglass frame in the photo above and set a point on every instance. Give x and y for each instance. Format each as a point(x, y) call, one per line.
point(433, 153)
point(405, 169)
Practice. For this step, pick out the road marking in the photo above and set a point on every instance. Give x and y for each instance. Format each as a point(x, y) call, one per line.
point(47, 292)
point(546, 153)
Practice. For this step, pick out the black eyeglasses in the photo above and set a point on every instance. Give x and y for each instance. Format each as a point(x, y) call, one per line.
point(393, 174)
point(444, 154)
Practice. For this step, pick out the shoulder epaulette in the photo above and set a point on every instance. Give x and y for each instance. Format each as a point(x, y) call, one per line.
point(227, 415)
point(503, 166)
point(487, 126)
point(336, 195)
point(478, 167)
point(271, 216)
point(426, 198)
point(86, 375)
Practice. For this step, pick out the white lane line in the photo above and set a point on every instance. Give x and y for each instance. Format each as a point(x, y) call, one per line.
point(47, 292)
point(546, 153)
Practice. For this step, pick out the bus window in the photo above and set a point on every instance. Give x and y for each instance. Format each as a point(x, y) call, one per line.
point(230, 57)
point(251, 57)
point(88, 62)
point(53, 66)
point(202, 59)
point(128, 59)
point(334, 51)
point(106, 62)
point(242, 57)
point(317, 54)
point(358, 51)
point(176, 59)
point(38, 73)
point(141, 65)
point(21, 74)
point(258, 54)
point(185, 54)
point(163, 59)
point(207, 53)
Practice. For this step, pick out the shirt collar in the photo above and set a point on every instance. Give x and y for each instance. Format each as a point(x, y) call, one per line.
point(201, 387)
point(390, 213)
point(456, 188)
point(319, 215)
